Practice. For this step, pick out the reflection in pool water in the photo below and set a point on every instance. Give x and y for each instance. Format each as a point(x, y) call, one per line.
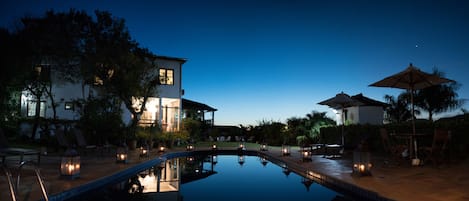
point(222, 177)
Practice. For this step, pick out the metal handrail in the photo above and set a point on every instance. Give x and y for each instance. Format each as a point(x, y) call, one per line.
point(10, 183)
point(38, 176)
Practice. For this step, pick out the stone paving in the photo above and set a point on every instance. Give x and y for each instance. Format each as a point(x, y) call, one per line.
point(404, 182)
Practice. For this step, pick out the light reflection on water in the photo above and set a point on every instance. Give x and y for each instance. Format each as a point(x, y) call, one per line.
point(220, 177)
point(253, 181)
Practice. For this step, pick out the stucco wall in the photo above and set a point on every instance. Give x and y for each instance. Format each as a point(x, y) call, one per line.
point(371, 115)
point(170, 91)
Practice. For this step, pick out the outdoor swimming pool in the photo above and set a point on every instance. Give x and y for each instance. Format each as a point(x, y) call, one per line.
point(215, 177)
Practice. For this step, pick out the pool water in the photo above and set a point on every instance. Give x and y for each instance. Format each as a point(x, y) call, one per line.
point(253, 181)
point(222, 177)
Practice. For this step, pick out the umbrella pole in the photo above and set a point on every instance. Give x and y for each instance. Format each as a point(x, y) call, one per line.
point(414, 141)
point(343, 123)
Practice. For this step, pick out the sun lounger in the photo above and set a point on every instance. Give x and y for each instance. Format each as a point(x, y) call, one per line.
point(333, 150)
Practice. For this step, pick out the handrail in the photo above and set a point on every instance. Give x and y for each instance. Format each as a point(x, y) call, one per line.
point(38, 176)
point(10, 183)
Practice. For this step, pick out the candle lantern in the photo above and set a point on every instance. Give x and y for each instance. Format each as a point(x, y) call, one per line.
point(306, 153)
point(263, 147)
point(144, 151)
point(241, 146)
point(214, 147)
point(161, 149)
point(70, 164)
point(189, 147)
point(121, 154)
point(361, 163)
point(286, 150)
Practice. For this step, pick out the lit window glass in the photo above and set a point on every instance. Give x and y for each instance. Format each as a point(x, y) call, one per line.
point(166, 76)
point(31, 110)
point(169, 77)
point(68, 106)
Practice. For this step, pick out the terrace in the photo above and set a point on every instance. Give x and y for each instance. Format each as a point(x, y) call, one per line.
point(403, 182)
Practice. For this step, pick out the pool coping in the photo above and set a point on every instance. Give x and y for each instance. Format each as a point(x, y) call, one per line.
point(323, 179)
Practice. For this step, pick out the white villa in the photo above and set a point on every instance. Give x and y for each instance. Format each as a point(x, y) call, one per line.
point(367, 111)
point(164, 108)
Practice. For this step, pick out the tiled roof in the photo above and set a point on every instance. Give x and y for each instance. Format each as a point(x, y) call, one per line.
point(368, 101)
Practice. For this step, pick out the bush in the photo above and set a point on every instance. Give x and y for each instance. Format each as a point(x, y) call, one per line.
point(101, 120)
point(193, 128)
point(458, 126)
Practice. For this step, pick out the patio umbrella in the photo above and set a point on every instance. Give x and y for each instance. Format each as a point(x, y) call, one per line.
point(411, 79)
point(340, 101)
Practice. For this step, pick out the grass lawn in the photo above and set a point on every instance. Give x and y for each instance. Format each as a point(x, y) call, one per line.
point(234, 145)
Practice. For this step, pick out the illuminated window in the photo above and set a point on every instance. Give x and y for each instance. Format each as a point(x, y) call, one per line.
point(69, 106)
point(32, 108)
point(166, 76)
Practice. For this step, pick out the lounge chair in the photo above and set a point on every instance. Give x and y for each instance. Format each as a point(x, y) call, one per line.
point(6, 150)
point(333, 150)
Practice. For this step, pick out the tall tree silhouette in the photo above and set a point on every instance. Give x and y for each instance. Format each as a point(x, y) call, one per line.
point(439, 98)
point(398, 109)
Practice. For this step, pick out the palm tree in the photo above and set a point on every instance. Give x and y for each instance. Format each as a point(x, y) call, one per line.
point(315, 121)
point(398, 110)
point(439, 98)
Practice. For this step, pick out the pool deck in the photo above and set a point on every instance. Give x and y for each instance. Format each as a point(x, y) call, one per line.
point(449, 182)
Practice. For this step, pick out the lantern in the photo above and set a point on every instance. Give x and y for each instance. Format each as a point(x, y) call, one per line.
point(214, 147)
point(241, 146)
point(144, 151)
point(263, 147)
point(161, 149)
point(121, 155)
point(361, 163)
point(306, 154)
point(285, 150)
point(190, 147)
point(70, 164)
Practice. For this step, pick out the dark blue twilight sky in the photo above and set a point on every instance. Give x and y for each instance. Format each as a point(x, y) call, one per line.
point(259, 60)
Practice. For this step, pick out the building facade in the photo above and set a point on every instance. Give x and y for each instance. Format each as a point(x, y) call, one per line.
point(366, 111)
point(163, 108)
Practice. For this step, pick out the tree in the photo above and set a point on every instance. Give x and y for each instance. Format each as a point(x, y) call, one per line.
point(317, 120)
point(307, 129)
point(398, 110)
point(126, 70)
point(77, 48)
point(11, 76)
point(54, 43)
point(439, 98)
